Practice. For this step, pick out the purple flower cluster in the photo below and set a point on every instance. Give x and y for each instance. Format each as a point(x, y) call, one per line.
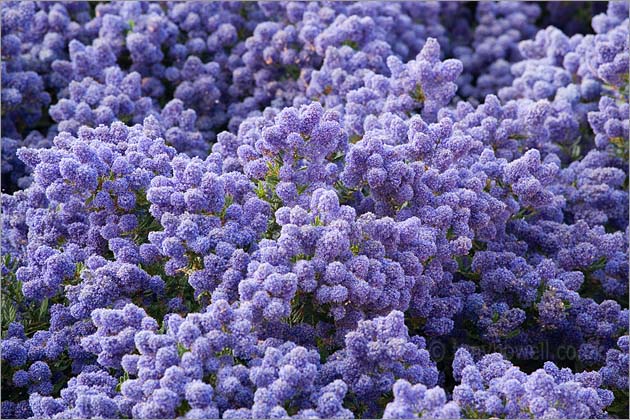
point(494, 387)
point(314, 210)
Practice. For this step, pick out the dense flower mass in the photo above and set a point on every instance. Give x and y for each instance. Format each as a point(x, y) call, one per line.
point(315, 209)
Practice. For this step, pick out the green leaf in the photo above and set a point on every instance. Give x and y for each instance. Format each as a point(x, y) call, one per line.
point(402, 206)
point(355, 138)
point(121, 380)
point(183, 408)
point(338, 156)
point(513, 334)
point(260, 190)
point(181, 349)
point(299, 257)
point(619, 407)
point(418, 94)
point(43, 309)
point(350, 43)
point(293, 71)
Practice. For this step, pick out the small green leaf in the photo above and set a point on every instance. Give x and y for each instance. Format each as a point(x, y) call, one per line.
point(121, 380)
point(293, 71)
point(418, 94)
point(183, 408)
point(495, 317)
point(181, 349)
point(355, 138)
point(338, 156)
point(350, 43)
point(43, 309)
point(513, 333)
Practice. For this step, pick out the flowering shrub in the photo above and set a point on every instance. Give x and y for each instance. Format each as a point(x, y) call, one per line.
point(314, 210)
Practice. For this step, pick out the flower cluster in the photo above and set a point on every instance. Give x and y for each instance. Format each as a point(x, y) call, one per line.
point(494, 387)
